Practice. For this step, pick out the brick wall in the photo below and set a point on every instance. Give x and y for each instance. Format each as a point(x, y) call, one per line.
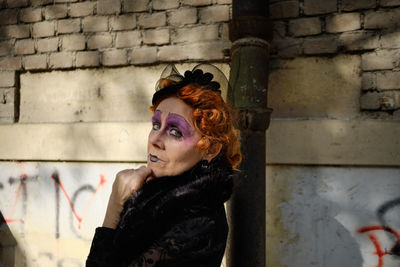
point(43, 35)
point(369, 28)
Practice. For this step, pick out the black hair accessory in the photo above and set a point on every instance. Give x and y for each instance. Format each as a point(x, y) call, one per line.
point(207, 76)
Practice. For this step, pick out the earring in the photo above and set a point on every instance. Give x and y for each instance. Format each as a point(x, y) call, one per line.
point(205, 165)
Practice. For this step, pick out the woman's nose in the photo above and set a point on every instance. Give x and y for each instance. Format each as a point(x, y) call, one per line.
point(156, 138)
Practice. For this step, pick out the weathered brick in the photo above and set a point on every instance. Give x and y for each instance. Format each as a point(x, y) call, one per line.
point(105, 7)
point(7, 78)
point(224, 31)
point(350, 5)
point(17, 3)
point(353, 41)
point(8, 16)
point(43, 29)
point(390, 40)
point(24, 47)
point(284, 9)
point(388, 80)
point(135, 5)
point(305, 26)
point(143, 55)
point(222, 2)
point(152, 20)
point(389, 3)
point(81, 9)
point(287, 47)
point(14, 31)
point(95, 24)
point(343, 22)
point(7, 98)
point(35, 62)
point(47, 45)
point(73, 42)
point(197, 2)
point(320, 45)
point(197, 51)
point(128, 39)
point(214, 14)
point(182, 16)
point(382, 19)
point(156, 36)
point(313, 7)
point(380, 60)
point(123, 22)
point(370, 101)
point(102, 40)
point(41, 2)
point(165, 4)
point(7, 95)
point(6, 48)
point(195, 34)
point(55, 11)
point(390, 100)
point(65, 1)
point(68, 25)
point(279, 29)
point(30, 14)
point(114, 57)
point(368, 80)
point(10, 63)
point(61, 60)
point(88, 59)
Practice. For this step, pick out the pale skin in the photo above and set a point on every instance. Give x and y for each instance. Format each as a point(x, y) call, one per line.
point(172, 149)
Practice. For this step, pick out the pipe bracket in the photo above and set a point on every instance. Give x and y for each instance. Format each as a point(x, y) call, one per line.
point(255, 119)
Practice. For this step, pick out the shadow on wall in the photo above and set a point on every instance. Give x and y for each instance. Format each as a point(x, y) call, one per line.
point(309, 233)
point(8, 245)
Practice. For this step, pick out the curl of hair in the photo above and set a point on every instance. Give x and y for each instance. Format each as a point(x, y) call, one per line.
point(213, 119)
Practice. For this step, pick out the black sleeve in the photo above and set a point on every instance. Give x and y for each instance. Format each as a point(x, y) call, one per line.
point(101, 250)
point(194, 242)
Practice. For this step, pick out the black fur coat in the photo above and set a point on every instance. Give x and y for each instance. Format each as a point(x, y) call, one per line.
point(171, 221)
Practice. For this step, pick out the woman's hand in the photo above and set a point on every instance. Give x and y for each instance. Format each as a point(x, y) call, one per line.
point(125, 184)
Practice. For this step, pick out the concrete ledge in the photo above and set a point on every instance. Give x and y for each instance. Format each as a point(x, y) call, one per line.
point(320, 142)
point(334, 142)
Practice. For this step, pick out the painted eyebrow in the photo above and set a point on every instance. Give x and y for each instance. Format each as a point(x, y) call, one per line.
point(158, 113)
point(180, 117)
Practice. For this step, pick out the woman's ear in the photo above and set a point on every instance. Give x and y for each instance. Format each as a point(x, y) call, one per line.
point(212, 151)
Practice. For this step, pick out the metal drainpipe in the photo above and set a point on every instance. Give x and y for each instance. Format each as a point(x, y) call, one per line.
point(250, 31)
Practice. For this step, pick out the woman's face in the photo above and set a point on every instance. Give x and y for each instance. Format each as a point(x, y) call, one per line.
point(172, 145)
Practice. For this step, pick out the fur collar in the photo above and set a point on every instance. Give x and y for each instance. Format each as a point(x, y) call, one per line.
point(165, 201)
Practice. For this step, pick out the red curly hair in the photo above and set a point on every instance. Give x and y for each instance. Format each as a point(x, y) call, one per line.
point(212, 118)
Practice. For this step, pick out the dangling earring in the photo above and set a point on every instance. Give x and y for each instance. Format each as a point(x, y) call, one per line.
point(205, 165)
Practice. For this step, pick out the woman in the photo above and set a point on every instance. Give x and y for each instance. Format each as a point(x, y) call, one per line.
point(171, 212)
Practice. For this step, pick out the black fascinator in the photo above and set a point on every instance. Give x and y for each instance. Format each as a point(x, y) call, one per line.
point(206, 76)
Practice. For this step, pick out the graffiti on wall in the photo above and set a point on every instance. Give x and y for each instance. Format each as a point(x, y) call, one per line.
point(21, 197)
point(62, 202)
point(394, 235)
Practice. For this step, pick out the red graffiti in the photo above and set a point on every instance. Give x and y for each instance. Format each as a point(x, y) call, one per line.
point(100, 185)
point(21, 186)
point(58, 182)
point(379, 251)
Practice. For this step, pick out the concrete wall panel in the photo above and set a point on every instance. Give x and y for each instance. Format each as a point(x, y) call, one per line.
point(53, 223)
point(315, 87)
point(92, 95)
point(332, 142)
point(332, 216)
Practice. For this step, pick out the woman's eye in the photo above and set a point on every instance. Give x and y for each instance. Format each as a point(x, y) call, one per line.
point(156, 126)
point(176, 133)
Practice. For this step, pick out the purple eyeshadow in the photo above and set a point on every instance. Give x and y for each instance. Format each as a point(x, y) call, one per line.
point(180, 123)
point(156, 117)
